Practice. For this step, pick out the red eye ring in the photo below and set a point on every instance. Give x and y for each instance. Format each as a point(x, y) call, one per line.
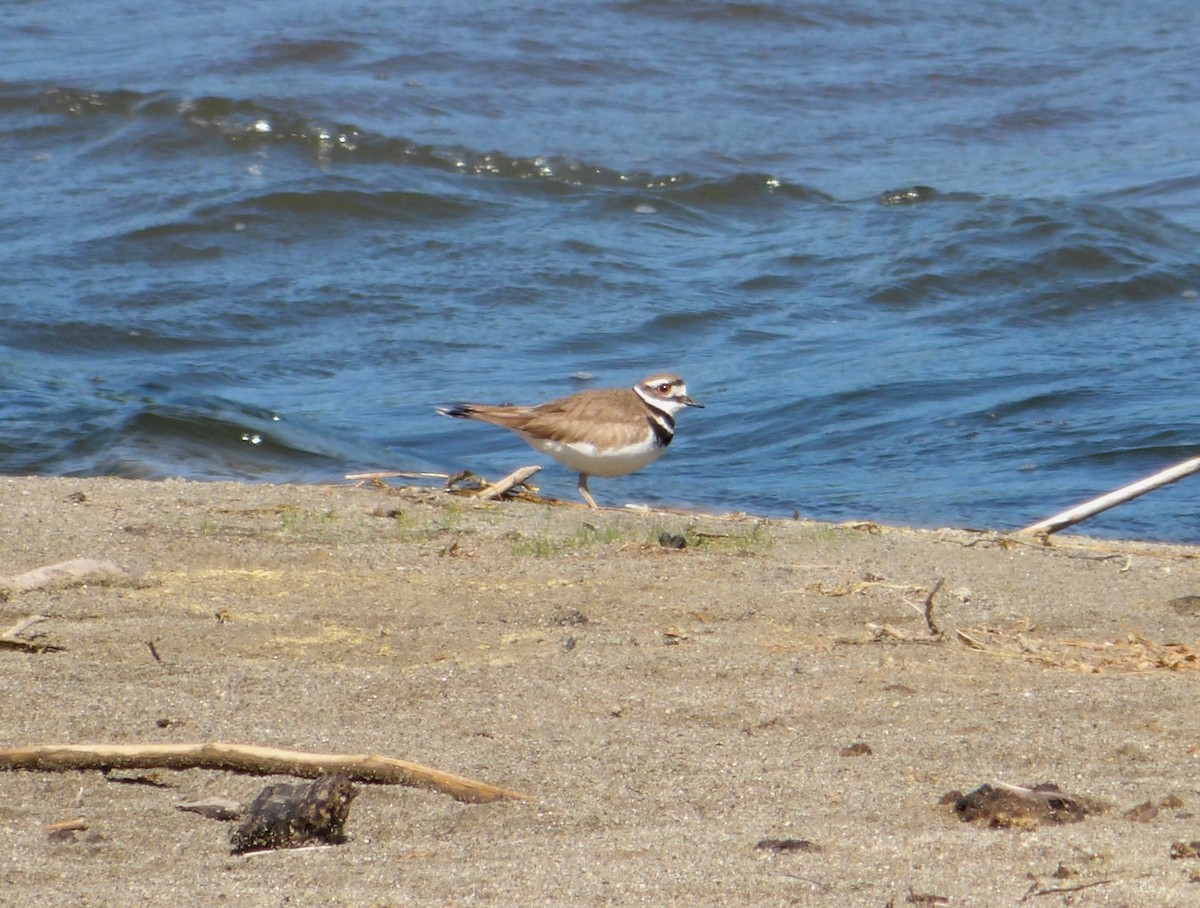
point(664, 388)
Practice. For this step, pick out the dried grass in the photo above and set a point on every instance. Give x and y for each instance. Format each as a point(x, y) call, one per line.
point(1135, 654)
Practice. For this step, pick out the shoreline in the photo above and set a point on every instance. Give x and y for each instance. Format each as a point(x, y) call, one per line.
point(668, 709)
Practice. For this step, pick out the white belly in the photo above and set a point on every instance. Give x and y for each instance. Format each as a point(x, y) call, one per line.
point(584, 458)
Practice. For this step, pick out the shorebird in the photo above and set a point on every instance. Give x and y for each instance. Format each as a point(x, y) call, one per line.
point(601, 432)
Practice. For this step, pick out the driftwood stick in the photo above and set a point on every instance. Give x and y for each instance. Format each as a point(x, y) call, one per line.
point(10, 640)
point(402, 474)
point(516, 477)
point(21, 626)
point(247, 758)
point(65, 573)
point(1113, 498)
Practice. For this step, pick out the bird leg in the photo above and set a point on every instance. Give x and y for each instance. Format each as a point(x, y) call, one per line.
point(583, 490)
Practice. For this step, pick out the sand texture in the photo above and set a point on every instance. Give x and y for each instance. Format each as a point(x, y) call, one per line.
point(761, 717)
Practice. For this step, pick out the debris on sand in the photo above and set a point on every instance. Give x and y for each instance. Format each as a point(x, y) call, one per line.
point(289, 816)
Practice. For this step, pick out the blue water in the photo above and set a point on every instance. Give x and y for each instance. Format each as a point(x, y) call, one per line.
point(934, 265)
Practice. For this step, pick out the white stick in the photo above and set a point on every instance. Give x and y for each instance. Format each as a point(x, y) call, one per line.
point(516, 477)
point(1113, 498)
point(66, 573)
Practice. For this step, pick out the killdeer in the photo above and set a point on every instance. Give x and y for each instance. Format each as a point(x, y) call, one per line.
point(601, 432)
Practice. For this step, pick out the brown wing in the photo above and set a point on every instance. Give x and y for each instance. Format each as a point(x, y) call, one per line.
point(606, 416)
point(610, 417)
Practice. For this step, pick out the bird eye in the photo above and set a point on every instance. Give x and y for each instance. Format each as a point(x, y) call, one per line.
point(664, 388)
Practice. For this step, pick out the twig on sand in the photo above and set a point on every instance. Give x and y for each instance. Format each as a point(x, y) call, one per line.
point(515, 478)
point(484, 493)
point(1034, 889)
point(858, 587)
point(10, 640)
point(392, 474)
point(22, 625)
point(929, 622)
point(249, 759)
point(65, 573)
point(881, 632)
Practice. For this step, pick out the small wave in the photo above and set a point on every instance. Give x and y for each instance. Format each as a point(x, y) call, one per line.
point(250, 124)
point(794, 15)
point(206, 438)
point(102, 336)
point(910, 195)
point(78, 102)
point(282, 53)
point(389, 205)
point(739, 190)
point(1039, 260)
point(1156, 452)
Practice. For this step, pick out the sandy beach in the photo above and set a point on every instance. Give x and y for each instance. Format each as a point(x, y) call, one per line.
point(763, 716)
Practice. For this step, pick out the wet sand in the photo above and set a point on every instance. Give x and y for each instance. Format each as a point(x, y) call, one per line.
point(668, 711)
